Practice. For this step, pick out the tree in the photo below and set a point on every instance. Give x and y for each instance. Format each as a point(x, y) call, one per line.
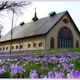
point(14, 7)
point(12, 4)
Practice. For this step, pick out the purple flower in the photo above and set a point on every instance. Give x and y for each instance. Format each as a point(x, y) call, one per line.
point(33, 74)
point(50, 75)
point(50, 61)
point(16, 69)
point(71, 65)
point(59, 75)
point(54, 69)
point(73, 74)
point(20, 70)
point(65, 65)
point(13, 69)
point(2, 70)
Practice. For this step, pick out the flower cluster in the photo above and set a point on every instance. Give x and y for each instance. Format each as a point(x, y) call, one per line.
point(45, 66)
point(15, 69)
point(2, 70)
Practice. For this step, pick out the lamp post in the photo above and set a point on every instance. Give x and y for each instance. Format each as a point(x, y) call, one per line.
point(12, 30)
point(1, 27)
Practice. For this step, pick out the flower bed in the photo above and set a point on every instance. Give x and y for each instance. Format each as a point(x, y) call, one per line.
point(45, 66)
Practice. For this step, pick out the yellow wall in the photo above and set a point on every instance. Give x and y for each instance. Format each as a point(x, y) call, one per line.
point(25, 42)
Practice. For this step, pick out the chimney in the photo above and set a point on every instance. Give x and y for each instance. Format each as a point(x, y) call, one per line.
point(52, 14)
point(22, 23)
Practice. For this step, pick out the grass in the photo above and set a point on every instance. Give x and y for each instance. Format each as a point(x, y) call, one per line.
point(31, 66)
point(57, 51)
point(46, 52)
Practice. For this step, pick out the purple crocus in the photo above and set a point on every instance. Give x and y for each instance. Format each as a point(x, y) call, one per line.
point(54, 69)
point(2, 70)
point(50, 75)
point(73, 74)
point(59, 75)
point(13, 69)
point(33, 74)
point(20, 70)
point(16, 69)
point(71, 65)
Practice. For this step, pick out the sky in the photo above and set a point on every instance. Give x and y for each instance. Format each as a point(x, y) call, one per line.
point(43, 8)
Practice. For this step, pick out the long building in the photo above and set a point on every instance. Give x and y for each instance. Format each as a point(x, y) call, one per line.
point(57, 30)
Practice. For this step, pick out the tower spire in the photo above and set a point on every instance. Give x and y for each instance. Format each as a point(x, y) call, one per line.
point(35, 18)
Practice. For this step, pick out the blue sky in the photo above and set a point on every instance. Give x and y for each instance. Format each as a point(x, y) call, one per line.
point(43, 8)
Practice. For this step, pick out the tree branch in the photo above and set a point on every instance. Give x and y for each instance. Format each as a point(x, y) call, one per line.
point(12, 4)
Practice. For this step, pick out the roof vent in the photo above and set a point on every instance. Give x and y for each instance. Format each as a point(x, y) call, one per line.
point(52, 14)
point(22, 23)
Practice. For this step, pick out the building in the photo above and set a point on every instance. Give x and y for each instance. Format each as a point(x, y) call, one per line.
point(58, 30)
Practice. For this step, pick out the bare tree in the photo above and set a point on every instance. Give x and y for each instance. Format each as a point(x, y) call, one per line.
point(12, 4)
point(14, 7)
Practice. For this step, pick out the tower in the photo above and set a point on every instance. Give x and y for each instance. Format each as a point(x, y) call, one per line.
point(35, 18)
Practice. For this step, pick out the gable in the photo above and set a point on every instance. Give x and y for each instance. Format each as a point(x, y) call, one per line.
point(53, 32)
point(69, 19)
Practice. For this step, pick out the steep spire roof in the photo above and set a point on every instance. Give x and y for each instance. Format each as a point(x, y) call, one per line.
point(35, 18)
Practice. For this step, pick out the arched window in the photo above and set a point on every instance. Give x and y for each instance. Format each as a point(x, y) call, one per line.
point(65, 38)
point(77, 44)
point(52, 43)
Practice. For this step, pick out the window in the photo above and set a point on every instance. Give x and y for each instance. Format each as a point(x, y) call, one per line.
point(40, 44)
point(6, 48)
point(29, 45)
point(12, 47)
point(77, 44)
point(52, 42)
point(21, 46)
point(34, 44)
point(0, 49)
point(65, 38)
point(65, 21)
point(3, 48)
point(16, 47)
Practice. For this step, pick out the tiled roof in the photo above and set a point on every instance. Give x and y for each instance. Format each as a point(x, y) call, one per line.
point(39, 27)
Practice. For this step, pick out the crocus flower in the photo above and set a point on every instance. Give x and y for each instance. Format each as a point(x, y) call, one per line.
point(13, 69)
point(20, 70)
point(71, 65)
point(2, 70)
point(54, 69)
point(50, 75)
point(73, 74)
point(33, 74)
point(59, 75)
